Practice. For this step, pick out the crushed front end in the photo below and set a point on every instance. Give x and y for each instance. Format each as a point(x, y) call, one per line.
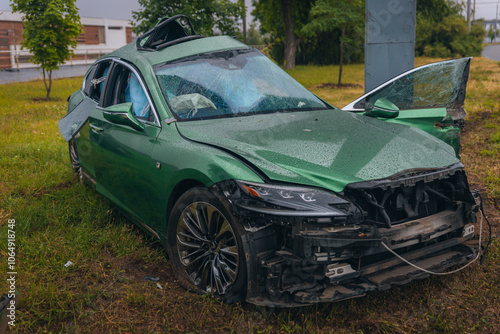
point(306, 246)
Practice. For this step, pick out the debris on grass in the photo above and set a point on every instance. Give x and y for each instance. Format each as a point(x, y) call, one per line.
point(151, 278)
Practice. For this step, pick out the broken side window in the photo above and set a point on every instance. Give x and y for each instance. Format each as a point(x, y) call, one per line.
point(439, 85)
point(98, 80)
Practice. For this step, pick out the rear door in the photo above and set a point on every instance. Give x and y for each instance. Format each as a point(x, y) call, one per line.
point(429, 97)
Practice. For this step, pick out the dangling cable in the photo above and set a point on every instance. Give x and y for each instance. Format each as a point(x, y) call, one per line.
point(485, 253)
point(453, 271)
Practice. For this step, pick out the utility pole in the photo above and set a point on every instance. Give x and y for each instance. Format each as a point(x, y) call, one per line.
point(474, 12)
point(496, 20)
point(468, 13)
point(244, 21)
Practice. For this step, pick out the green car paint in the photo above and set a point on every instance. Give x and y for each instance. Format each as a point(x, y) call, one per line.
point(434, 121)
point(138, 170)
point(326, 148)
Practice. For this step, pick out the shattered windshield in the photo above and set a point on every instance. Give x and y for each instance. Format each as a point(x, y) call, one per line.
point(231, 83)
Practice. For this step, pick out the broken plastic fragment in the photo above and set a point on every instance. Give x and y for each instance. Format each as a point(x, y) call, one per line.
point(151, 278)
point(67, 264)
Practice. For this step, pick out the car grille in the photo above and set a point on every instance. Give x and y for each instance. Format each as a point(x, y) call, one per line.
point(395, 202)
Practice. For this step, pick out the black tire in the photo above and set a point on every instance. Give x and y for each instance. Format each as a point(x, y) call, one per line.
point(75, 160)
point(205, 248)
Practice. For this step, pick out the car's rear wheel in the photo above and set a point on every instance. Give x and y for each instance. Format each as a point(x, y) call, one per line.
point(75, 160)
point(205, 246)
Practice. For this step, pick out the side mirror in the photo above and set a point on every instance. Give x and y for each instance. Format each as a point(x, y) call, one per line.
point(383, 108)
point(122, 114)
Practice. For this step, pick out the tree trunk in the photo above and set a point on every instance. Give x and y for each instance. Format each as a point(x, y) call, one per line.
point(48, 86)
point(291, 41)
point(341, 55)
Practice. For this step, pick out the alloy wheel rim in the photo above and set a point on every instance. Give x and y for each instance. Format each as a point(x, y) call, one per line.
point(207, 248)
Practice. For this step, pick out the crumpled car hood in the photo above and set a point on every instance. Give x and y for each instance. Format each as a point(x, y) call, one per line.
point(327, 148)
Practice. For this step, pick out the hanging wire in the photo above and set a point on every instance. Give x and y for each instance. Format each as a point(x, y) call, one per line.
point(483, 256)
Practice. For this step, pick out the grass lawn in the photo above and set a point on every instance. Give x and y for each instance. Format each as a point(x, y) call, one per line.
point(59, 220)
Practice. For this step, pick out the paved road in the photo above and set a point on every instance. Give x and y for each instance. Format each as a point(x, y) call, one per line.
point(492, 52)
point(28, 74)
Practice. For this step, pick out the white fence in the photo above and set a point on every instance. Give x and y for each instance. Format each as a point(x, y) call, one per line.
point(21, 58)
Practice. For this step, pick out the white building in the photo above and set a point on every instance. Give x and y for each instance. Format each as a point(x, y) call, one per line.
point(100, 36)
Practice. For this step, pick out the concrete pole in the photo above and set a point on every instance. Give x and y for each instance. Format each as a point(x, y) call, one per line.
point(389, 39)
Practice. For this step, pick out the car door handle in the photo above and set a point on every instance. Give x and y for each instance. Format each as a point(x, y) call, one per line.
point(95, 128)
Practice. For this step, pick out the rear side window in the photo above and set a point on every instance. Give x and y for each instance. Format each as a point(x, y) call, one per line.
point(96, 80)
point(87, 82)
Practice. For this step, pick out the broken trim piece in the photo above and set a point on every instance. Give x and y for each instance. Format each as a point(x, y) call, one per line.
point(161, 37)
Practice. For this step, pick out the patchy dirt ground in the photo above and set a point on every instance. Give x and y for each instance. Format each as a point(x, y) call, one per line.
point(475, 134)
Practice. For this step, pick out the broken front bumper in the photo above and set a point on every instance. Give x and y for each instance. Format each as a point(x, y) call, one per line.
point(333, 264)
point(305, 246)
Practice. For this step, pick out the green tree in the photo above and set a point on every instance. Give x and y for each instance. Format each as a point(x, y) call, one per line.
point(437, 10)
point(346, 15)
point(209, 17)
point(253, 35)
point(283, 21)
point(442, 31)
point(51, 27)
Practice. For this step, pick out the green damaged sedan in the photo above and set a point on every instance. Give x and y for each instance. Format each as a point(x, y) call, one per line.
point(262, 192)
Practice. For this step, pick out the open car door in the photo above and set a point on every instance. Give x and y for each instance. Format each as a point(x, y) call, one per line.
point(429, 97)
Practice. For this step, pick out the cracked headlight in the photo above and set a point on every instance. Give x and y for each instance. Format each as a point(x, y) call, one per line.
point(287, 200)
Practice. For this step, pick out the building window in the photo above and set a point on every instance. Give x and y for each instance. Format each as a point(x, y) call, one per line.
point(102, 36)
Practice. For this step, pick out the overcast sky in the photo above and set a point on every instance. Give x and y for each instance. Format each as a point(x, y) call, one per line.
point(111, 9)
point(122, 9)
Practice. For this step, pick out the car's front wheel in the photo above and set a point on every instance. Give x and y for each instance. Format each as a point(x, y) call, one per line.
point(205, 246)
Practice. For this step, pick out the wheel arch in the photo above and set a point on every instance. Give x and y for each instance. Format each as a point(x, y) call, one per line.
point(179, 189)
